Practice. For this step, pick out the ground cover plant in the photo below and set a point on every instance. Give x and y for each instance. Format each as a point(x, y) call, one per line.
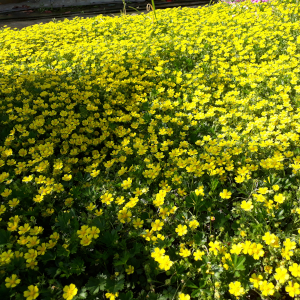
point(152, 158)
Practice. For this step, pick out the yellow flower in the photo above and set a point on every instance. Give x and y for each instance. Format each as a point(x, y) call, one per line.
point(256, 280)
point(263, 190)
point(236, 289)
point(86, 240)
point(107, 198)
point(126, 184)
point(181, 230)
point(67, 177)
point(243, 233)
point(69, 201)
point(124, 215)
point(98, 212)
point(225, 194)
point(95, 173)
point(13, 203)
point(184, 297)
point(24, 229)
point(55, 236)
point(214, 247)
point(130, 270)
point(32, 241)
point(69, 291)
point(84, 230)
point(247, 206)
point(236, 249)
point(32, 292)
point(199, 191)
point(267, 288)
point(30, 255)
point(94, 232)
point(269, 238)
point(279, 198)
point(12, 226)
point(198, 255)
point(138, 223)
point(257, 251)
point(295, 270)
point(111, 296)
point(184, 252)
point(293, 289)
point(42, 249)
point(2, 209)
point(194, 224)
point(12, 282)
point(165, 263)
point(91, 206)
point(51, 244)
point(157, 225)
point(120, 200)
point(6, 193)
point(268, 269)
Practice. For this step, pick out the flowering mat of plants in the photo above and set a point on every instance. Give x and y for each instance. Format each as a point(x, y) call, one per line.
point(152, 156)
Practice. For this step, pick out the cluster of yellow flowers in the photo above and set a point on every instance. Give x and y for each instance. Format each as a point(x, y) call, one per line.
point(87, 234)
point(150, 118)
point(164, 260)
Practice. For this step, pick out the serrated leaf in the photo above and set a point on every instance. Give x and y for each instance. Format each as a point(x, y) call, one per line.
point(114, 286)
point(62, 220)
point(109, 238)
point(48, 256)
point(191, 284)
point(136, 249)
point(238, 262)
point(196, 293)
point(200, 238)
point(77, 266)
point(127, 296)
point(82, 294)
point(61, 251)
point(123, 260)
point(4, 237)
point(96, 284)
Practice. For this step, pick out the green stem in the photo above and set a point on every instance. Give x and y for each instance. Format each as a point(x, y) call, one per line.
point(153, 5)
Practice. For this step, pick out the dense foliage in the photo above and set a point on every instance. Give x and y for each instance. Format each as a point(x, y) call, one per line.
point(152, 159)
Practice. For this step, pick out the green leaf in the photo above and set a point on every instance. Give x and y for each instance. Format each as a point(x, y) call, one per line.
point(48, 256)
point(61, 251)
point(74, 224)
point(100, 224)
point(136, 249)
point(73, 248)
point(4, 237)
point(79, 177)
point(82, 294)
point(123, 260)
point(169, 293)
point(280, 215)
point(200, 238)
point(196, 293)
point(238, 262)
point(62, 220)
point(77, 266)
point(96, 284)
point(109, 238)
point(4, 291)
point(191, 284)
point(53, 272)
point(127, 296)
point(114, 286)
